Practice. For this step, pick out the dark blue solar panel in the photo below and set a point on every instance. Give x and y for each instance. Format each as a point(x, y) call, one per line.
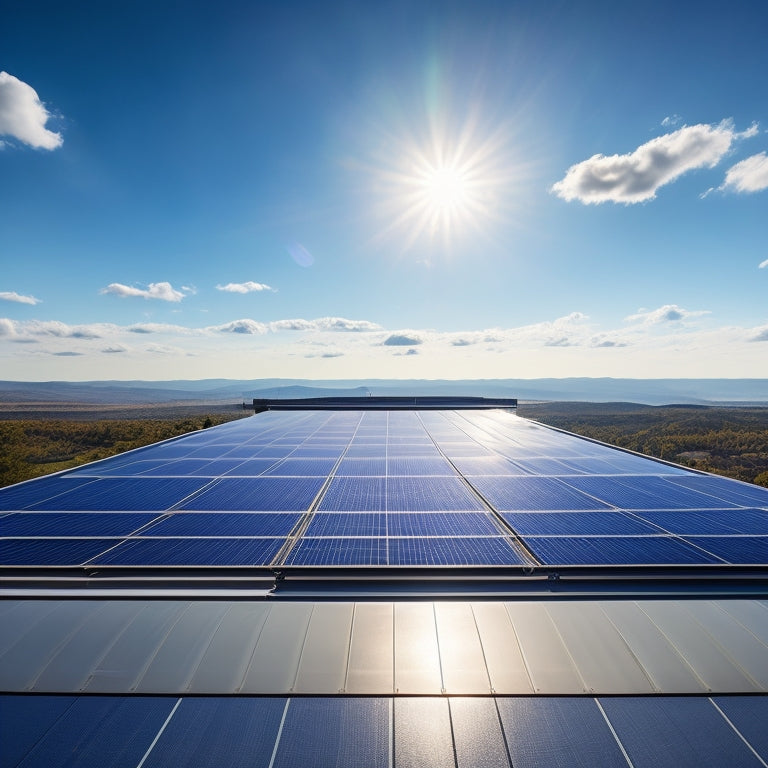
point(24, 721)
point(225, 524)
point(192, 552)
point(419, 465)
point(347, 524)
point(538, 466)
point(343, 732)
point(91, 732)
point(711, 521)
point(577, 523)
point(591, 466)
point(441, 524)
point(426, 450)
point(615, 550)
point(424, 494)
point(362, 467)
point(258, 494)
point(487, 465)
point(303, 467)
point(51, 551)
point(643, 493)
point(726, 489)
point(749, 714)
point(214, 731)
point(453, 551)
point(135, 494)
point(533, 493)
point(339, 551)
point(669, 732)
point(251, 467)
point(118, 469)
point(559, 733)
point(74, 523)
point(477, 735)
point(363, 494)
point(743, 550)
point(33, 492)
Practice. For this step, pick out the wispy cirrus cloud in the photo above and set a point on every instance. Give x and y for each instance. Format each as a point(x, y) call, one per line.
point(636, 176)
point(750, 175)
point(247, 287)
point(763, 264)
point(18, 298)
point(23, 116)
point(160, 291)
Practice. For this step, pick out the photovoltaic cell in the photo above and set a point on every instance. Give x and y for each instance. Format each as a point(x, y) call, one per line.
point(615, 550)
point(51, 551)
point(257, 494)
point(74, 523)
point(335, 732)
point(425, 494)
point(362, 494)
point(123, 494)
point(710, 521)
point(749, 714)
point(192, 552)
point(441, 524)
point(292, 467)
point(671, 732)
point(533, 493)
point(493, 550)
point(577, 523)
point(209, 732)
point(558, 733)
point(731, 491)
point(338, 551)
point(419, 465)
point(34, 492)
point(362, 467)
point(225, 524)
point(348, 524)
point(739, 550)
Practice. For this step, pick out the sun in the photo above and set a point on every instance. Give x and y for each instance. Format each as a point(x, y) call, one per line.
point(438, 189)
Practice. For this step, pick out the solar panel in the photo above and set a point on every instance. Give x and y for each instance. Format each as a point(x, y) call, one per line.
point(74, 523)
point(710, 521)
point(441, 524)
point(616, 550)
point(51, 551)
point(225, 524)
point(338, 551)
point(410, 494)
point(446, 550)
point(257, 494)
point(533, 493)
point(577, 523)
point(360, 494)
point(338, 524)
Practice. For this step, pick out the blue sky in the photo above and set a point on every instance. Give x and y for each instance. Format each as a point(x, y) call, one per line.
point(395, 189)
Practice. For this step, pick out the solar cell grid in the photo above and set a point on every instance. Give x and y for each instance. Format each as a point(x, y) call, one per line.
point(510, 494)
point(710, 521)
point(577, 523)
point(191, 552)
point(744, 550)
point(355, 494)
point(409, 494)
point(419, 465)
point(338, 551)
point(257, 494)
point(51, 551)
point(224, 524)
point(616, 550)
point(74, 523)
point(338, 524)
point(297, 467)
point(441, 524)
point(436, 550)
point(730, 491)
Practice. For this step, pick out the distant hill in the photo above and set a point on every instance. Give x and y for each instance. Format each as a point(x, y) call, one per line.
point(644, 391)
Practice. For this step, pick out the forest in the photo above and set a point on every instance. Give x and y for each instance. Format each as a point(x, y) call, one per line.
point(731, 441)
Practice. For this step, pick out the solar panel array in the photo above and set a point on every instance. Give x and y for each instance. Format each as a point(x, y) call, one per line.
point(381, 488)
point(277, 732)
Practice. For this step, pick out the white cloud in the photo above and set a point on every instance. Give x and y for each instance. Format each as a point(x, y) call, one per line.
point(671, 120)
point(248, 287)
point(635, 177)
point(161, 291)
point(18, 298)
point(7, 327)
point(402, 340)
point(750, 175)
point(245, 326)
point(23, 116)
point(761, 334)
point(669, 313)
point(763, 264)
point(340, 324)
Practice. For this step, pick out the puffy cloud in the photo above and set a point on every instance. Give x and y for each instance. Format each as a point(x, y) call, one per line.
point(401, 340)
point(62, 330)
point(18, 298)
point(161, 291)
point(248, 287)
point(340, 324)
point(7, 327)
point(750, 175)
point(23, 116)
point(761, 335)
point(635, 177)
point(244, 326)
point(669, 313)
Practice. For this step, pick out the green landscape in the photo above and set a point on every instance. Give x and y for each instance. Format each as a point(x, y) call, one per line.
point(731, 441)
